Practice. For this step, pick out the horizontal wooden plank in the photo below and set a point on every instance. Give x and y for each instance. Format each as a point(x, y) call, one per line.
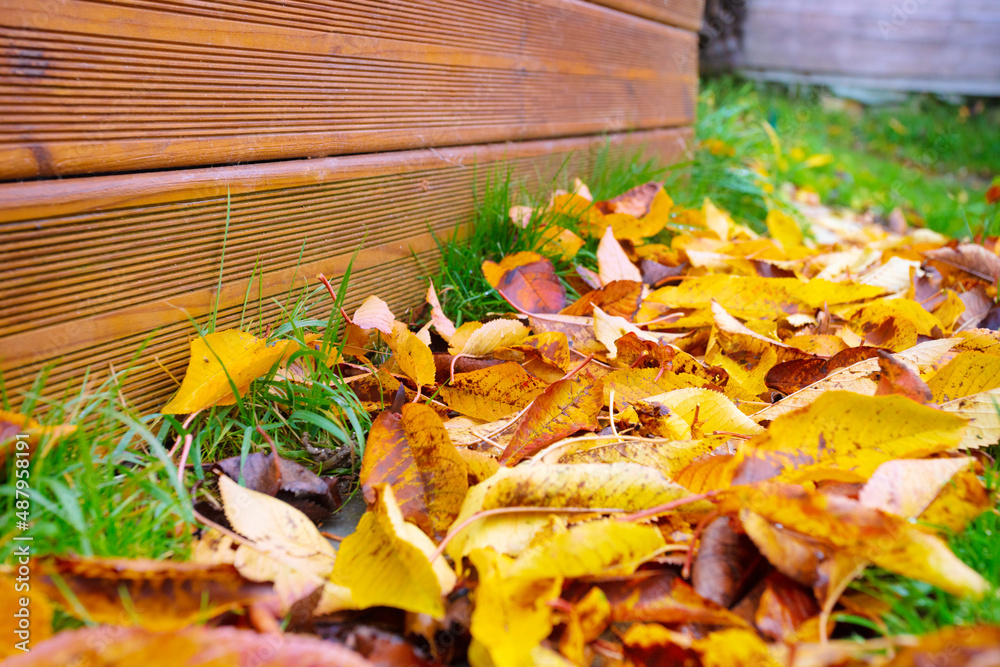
point(91, 268)
point(934, 45)
point(683, 13)
point(88, 86)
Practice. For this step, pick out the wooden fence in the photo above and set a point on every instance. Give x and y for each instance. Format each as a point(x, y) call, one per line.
point(942, 46)
point(133, 130)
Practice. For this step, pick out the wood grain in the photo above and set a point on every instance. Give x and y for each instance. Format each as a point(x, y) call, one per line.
point(92, 268)
point(687, 14)
point(95, 86)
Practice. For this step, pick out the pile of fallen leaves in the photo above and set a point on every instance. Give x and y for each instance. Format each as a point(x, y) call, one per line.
point(686, 465)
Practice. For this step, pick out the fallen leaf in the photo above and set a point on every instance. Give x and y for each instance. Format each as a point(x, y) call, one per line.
point(218, 362)
point(492, 393)
point(163, 596)
point(412, 354)
point(619, 298)
point(512, 615)
point(612, 262)
point(442, 324)
point(565, 407)
point(528, 281)
point(898, 379)
point(491, 336)
point(972, 258)
point(197, 646)
point(846, 436)
point(967, 374)
point(413, 454)
point(386, 562)
point(374, 313)
point(283, 546)
point(854, 530)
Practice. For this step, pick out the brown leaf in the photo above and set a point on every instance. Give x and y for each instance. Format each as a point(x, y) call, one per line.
point(565, 407)
point(972, 258)
point(413, 454)
point(157, 595)
point(899, 379)
point(635, 202)
point(530, 286)
point(723, 562)
point(289, 481)
point(784, 606)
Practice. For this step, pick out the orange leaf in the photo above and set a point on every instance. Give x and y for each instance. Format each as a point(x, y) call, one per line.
point(197, 646)
point(619, 298)
point(157, 595)
point(413, 454)
point(492, 393)
point(565, 407)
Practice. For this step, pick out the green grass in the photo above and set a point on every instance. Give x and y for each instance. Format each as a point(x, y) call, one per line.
point(918, 608)
point(111, 489)
point(108, 489)
point(931, 159)
point(464, 293)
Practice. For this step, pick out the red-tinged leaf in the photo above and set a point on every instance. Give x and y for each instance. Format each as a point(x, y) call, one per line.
point(197, 646)
point(900, 380)
point(972, 258)
point(993, 194)
point(529, 282)
point(413, 454)
point(565, 407)
point(158, 595)
point(784, 606)
point(619, 297)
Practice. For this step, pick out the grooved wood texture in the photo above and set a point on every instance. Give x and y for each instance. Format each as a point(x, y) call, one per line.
point(101, 86)
point(91, 268)
point(684, 13)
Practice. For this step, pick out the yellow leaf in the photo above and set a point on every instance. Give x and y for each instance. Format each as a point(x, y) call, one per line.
point(612, 262)
point(846, 436)
point(374, 313)
point(386, 562)
point(717, 220)
point(492, 393)
point(606, 547)
point(984, 411)
point(751, 297)
point(285, 546)
point(412, 354)
point(669, 457)
point(218, 358)
point(784, 229)
point(967, 374)
point(850, 529)
point(561, 242)
point(707, 411)
point(491, 336)
point(624, 486)
point(636, 384)
point(734, 647)
point(511, 615)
